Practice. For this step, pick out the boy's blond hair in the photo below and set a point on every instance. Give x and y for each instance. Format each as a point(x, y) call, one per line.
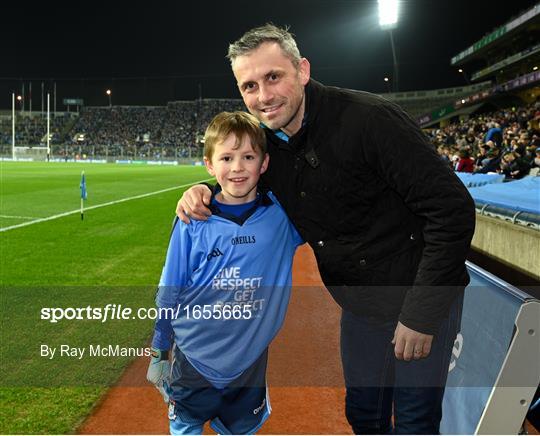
point(238, 123)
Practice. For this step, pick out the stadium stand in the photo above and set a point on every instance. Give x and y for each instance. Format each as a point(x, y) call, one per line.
point(508, 56)
point(509, 51)
point(175, 131)
point(162, 132)
point(158, 132)
point(491, 137)
point(417, 103)
point(31, 128)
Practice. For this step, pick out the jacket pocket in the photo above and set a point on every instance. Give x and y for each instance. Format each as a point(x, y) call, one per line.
point(374, 288)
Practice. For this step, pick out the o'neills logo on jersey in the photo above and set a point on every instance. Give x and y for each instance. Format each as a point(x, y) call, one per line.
point(261, 407)
point(215, 253)
point(243, 240)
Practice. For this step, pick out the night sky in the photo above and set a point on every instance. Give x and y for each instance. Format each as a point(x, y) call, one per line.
point(188, 40)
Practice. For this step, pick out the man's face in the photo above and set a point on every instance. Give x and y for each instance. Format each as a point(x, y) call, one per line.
point(271, 86)
point(508, 158)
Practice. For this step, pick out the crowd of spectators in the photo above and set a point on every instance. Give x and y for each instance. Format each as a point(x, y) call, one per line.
point(161, 132)
point(31, 129)
point(506, 141)
point(130, 132)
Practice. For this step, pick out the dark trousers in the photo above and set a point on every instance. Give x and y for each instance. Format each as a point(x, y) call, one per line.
point(378, 384)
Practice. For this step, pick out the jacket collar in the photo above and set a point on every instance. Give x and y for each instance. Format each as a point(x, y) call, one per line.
point(314, 96)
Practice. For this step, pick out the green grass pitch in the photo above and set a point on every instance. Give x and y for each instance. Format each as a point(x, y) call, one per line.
point(113, 256)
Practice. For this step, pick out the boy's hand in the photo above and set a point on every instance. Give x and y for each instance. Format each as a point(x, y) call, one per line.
point(193, 204)
point(159, 372)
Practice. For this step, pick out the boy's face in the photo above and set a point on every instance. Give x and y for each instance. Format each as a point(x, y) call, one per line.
point(236, 170)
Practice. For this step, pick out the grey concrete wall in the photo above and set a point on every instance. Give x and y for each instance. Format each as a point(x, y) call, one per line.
point(514, 245)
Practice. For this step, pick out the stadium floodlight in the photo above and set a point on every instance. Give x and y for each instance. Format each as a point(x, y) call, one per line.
point(386, 82)
point(20, 102)
point(109, 92)
point(464, 76)
point(388, 19)
point(388, 14)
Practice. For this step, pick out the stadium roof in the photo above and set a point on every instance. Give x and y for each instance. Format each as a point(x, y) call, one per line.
point(527, 21)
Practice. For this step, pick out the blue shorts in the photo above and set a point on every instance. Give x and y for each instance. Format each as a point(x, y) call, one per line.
point(240, 408)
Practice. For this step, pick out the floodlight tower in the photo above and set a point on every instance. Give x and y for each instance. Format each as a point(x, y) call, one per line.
point(388, 18)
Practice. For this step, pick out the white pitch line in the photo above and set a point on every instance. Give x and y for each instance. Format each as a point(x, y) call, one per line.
point(122, 200)
point(19, 217)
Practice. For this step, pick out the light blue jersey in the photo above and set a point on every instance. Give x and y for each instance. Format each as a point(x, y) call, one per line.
point(231, 280)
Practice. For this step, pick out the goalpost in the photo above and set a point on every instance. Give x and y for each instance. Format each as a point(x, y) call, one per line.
point(28, 152)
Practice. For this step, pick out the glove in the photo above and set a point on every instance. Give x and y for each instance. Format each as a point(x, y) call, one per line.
point(159, 372)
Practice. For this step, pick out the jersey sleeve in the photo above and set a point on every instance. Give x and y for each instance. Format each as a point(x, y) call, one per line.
point(296, 238)
point(174, 277)
point(174, 274)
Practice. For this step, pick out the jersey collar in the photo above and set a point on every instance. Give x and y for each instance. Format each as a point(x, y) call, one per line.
point(262, 200)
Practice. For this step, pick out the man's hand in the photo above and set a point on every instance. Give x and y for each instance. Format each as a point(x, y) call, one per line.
point(410, 344)
point(159, 372)
point(193, 204)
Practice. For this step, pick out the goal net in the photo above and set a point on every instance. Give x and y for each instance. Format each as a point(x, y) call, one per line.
point(30, 153)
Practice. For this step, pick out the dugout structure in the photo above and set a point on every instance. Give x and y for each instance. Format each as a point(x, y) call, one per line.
point(494, 371)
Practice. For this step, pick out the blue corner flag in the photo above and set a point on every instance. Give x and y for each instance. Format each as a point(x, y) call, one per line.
point(83, 193)
point(83, 186)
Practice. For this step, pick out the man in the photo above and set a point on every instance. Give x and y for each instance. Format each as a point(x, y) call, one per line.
point(513, 166)
point(389, 222)
point(494, 133)
point(491, 163)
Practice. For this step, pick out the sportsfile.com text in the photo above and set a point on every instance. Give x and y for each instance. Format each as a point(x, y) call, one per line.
point(119, 312)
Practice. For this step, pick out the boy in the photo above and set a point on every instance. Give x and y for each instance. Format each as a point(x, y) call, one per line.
point(229, 279)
